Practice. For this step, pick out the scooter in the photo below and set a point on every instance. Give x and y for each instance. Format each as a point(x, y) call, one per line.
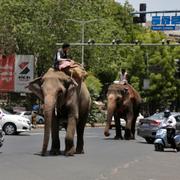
point(161, 140)
point(1, 136)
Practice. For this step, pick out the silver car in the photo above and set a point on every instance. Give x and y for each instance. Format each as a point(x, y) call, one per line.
point(148, 126)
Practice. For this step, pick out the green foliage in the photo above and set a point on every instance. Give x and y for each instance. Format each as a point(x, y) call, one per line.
point(94, 86)
point(96, 115)
point(34, 27)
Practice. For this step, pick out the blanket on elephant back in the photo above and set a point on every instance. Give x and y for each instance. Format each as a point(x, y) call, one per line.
point(74, 70)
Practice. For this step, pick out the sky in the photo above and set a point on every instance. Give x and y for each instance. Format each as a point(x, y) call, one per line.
point(155, 5)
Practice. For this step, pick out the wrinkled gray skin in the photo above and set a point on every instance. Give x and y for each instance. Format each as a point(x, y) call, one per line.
point(122, 102)
point(62, 101)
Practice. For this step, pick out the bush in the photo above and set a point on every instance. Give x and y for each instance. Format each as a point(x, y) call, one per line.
point(94, 86)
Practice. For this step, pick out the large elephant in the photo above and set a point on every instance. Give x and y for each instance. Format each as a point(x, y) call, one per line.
point(123, 101)
point(63, 100)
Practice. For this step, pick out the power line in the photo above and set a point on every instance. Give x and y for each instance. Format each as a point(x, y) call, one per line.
point(121, 44)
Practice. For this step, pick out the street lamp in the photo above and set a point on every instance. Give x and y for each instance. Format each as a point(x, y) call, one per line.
point(82, 22)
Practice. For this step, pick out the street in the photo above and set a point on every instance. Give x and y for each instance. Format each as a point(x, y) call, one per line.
point(104, 159)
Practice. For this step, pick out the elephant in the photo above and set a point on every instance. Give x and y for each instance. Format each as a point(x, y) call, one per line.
point(63, 100)
point(123, 101)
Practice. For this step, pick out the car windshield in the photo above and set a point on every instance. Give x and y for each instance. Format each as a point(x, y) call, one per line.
point(4, 111)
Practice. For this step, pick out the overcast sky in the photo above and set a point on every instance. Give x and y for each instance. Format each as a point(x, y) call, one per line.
point(155, 5)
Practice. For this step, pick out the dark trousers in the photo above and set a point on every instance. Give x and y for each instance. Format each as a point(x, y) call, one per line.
point(171, 132)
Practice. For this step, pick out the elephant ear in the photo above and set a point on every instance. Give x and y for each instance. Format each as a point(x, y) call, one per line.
point(35, 87)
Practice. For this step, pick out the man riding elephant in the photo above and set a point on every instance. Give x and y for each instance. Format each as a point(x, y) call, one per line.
point(123, 101)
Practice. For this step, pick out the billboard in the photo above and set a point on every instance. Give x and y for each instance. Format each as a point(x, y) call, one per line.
point(24, 72)
point(16, 71)
point(7, 73)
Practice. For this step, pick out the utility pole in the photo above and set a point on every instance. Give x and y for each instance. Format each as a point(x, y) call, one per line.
point(82, 22)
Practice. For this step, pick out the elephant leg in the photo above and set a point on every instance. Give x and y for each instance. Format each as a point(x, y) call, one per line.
point(69, 139)
point(80, 138)
point(127, 134)
point(118, 129)
point(133, 126)
point(55, 147)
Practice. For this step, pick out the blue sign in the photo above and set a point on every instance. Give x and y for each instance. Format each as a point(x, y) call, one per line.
point(166, 20)
point(165, 23)
point(163, 28)
point(175, 20)
point(156, 20)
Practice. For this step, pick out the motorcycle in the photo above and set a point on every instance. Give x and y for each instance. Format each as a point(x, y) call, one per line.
point(162, 141)
point(1, 136)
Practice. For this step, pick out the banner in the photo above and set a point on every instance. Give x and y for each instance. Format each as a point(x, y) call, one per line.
point(7, 73)
point(24, 72)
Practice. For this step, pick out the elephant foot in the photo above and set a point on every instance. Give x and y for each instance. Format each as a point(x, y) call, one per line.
point(106, 134)
point(70, 152)
point(118, 137)
point(55, 152)
point(44, 153)
point(79, 151)
point(127, 135)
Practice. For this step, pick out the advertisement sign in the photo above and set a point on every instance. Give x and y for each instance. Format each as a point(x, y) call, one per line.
point(7, 73)
point(24, 72)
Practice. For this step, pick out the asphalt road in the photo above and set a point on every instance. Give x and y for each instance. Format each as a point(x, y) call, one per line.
point(104, 159)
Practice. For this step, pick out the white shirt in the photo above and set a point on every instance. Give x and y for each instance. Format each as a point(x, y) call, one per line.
point(169, 121)
point(123, 77)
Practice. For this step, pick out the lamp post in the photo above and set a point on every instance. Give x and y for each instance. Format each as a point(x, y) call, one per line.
point(82, 22)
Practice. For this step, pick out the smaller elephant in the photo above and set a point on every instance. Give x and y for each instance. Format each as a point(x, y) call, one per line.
point(63, 101)
point(123, 101)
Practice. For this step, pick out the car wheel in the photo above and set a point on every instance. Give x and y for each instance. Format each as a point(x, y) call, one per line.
point(149, 140)
point(9, 129)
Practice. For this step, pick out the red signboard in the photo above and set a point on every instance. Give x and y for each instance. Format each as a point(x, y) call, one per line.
point(7, 73)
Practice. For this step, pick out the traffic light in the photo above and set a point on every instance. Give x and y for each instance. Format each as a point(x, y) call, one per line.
point(142, 16)
point(177, 66)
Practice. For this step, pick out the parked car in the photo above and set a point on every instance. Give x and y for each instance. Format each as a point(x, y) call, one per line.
point(148, 126)
point(28, 114)
point(12, 123)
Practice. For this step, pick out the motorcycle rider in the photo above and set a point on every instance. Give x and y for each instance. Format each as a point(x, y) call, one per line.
point(170, 123)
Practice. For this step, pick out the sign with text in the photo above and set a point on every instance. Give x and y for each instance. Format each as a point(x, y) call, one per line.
point(165, 23)
point(24, 72)
point(16, 71)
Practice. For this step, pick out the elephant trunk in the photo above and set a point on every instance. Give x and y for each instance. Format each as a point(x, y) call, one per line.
point(49, 109)
point(110, 112)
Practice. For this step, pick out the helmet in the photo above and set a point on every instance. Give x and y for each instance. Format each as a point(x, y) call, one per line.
point(167, 113)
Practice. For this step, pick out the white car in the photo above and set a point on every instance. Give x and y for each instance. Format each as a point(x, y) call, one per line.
point(28, 114)
point(12, 123)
